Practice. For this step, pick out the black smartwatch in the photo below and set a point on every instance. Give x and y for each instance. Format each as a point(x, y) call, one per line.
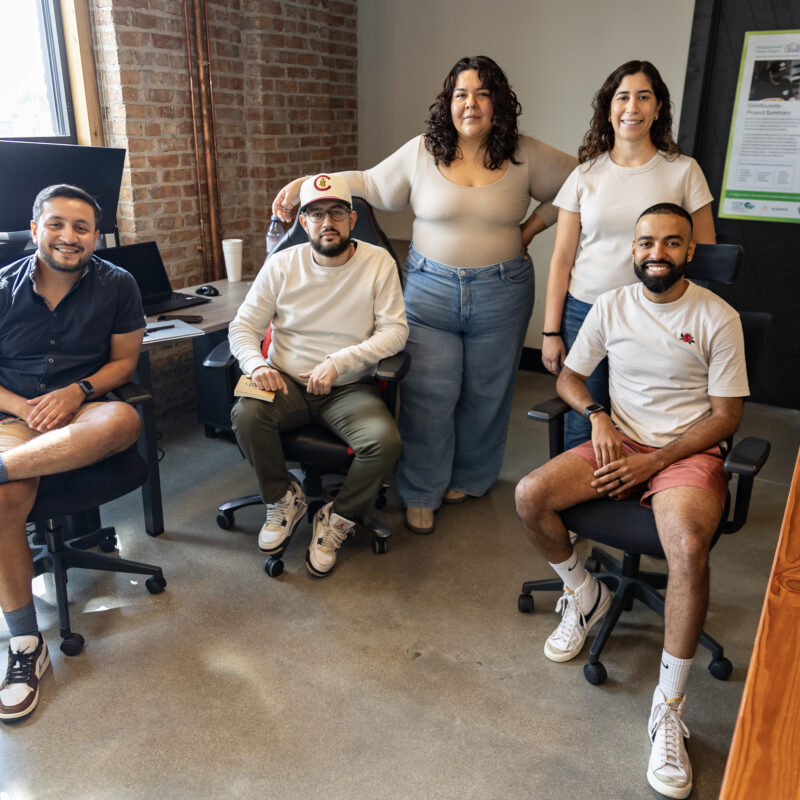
point(591, 409)
point(86, 388)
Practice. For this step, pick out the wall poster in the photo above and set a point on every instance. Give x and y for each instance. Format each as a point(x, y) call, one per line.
point(762, 167)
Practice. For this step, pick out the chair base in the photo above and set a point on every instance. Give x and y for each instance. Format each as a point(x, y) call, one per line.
point(628, 583)
point(57, 556)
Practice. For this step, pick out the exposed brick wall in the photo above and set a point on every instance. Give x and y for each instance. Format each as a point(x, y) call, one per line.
point(285, 92)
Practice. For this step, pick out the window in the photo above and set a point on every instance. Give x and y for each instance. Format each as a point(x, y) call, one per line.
point(35, 101)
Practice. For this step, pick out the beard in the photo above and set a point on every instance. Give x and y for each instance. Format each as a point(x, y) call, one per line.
point(330, 250)
point(51, 262)
point(658, 284)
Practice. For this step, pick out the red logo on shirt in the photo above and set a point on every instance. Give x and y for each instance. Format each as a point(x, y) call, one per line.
point(688, 338)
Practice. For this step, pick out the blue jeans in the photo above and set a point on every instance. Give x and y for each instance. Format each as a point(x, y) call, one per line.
point(577, 429)
point(466, 330)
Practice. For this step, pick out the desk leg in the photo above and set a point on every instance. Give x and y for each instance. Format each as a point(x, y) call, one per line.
point(151, 490)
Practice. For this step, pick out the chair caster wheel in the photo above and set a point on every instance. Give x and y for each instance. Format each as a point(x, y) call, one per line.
point(156, 584)
point(720, 668)
point(72, 644)
point(595, 673)
point(108, 544)
point(592, 564)
point(225, 519)
point(273, 566)
point(379, 546)
point(525, 603)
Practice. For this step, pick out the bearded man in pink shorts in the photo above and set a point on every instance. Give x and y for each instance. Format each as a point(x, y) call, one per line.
point(676, 381)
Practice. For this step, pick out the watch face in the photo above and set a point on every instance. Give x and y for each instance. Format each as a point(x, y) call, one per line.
point(86, 387)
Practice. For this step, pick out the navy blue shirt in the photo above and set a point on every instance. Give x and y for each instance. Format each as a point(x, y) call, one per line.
point(42, 350)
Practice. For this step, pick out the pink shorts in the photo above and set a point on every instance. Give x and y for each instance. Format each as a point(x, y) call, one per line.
point(14, 431)
point(703, 470)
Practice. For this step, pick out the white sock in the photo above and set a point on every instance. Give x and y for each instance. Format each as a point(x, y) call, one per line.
point(674, 674)
point(571, 571)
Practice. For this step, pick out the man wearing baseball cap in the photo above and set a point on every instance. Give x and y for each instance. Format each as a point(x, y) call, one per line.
point(336, 309)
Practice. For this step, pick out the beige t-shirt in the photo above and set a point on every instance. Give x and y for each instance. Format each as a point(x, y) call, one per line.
point(465, 226)
point(609, 199)
point(664, 359)
point(353, 313)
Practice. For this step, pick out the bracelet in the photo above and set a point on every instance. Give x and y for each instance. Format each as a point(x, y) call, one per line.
point(551, 333)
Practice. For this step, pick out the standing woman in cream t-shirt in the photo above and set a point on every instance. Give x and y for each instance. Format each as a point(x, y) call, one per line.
point(468, 278)
point(628, 162)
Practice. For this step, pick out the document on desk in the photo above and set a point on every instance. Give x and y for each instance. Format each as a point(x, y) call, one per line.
point(170, 331)
point(249, 388)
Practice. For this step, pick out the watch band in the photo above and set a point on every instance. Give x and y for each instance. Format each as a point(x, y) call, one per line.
point(592, 408)
point(551, 333)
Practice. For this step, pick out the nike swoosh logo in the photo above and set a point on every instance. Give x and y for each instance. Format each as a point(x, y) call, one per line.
point(569, 569)
point(666, 666)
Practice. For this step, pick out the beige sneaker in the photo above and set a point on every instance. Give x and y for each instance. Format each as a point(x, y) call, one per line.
point(420, 520)
point(567, 640)
point(330, 530)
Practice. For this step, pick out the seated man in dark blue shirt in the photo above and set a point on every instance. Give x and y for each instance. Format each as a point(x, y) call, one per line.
point(71, 327)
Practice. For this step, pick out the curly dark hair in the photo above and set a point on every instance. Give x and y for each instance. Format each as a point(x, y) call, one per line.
point(441, 137)
point(600, 136)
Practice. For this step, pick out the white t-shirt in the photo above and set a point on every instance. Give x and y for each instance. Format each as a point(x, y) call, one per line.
point(664, 359)
point(353, 313)
point(610, 199)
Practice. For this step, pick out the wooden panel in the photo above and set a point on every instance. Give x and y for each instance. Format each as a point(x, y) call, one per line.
point(82, 76)
point(764, 761)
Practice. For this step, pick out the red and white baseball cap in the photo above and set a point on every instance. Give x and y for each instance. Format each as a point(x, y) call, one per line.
point(324, 187)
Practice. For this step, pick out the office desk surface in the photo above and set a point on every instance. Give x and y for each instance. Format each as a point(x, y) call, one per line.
point(763, 760)
point(221, 310)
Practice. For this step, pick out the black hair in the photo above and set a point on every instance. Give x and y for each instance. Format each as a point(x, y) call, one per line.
point(66, 190)
point(667, 208)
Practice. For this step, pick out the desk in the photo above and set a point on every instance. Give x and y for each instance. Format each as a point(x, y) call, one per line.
point(216, 316)
point(763, 760)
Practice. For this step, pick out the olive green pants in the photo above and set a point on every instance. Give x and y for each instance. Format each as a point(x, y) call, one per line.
point(355, 412)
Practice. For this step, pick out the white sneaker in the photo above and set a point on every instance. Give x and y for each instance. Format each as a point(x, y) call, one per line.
point(566, 641)
point(282, 519)
point(330, 530)
point(669, 770)
point(27, 660)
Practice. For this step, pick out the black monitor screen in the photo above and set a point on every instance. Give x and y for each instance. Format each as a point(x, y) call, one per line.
point(27, 167)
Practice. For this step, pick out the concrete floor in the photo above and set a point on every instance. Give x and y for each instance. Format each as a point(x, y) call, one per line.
point(406, 675)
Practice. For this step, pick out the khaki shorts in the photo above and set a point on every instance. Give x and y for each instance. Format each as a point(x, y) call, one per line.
point(14, 432)
point(703, 470)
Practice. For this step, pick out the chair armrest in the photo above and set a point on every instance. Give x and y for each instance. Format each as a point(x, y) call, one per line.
point(132, 394)
point(746, 459)
point(552, 412)
point(393, 368)
point(748, 456)
point(549, 410)
point(220, 357)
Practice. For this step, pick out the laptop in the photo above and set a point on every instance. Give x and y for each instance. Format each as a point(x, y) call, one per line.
point(144, 262)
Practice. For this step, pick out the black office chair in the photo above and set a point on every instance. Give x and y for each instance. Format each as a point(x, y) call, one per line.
point(629, 526)
point(318, 451)
point(66, 517)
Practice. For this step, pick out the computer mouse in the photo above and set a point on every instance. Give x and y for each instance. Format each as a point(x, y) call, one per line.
point(208, 291)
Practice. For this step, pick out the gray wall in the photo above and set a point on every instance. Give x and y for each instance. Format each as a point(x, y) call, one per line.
point(556, 54)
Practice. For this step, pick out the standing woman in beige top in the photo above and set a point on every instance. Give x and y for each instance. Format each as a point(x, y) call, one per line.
point(468, 278)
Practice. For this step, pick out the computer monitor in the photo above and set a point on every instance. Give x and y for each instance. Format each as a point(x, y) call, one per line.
point(27, 167)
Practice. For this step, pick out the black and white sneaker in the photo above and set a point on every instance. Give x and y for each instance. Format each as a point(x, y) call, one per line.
point(27, 660)
point(282, 519)
point(567, 640)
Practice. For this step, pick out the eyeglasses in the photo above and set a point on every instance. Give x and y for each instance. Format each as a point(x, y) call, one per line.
point(336, 213)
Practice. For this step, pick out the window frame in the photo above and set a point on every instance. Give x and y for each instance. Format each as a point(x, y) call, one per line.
point(57, 73)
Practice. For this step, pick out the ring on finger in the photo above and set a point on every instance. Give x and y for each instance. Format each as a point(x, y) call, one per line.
point(619, 481)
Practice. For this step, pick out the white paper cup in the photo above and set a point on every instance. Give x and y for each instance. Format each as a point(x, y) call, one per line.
point(232, 252)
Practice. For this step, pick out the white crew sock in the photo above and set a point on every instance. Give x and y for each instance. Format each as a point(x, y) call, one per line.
point(673, 676)
point(572, 572)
